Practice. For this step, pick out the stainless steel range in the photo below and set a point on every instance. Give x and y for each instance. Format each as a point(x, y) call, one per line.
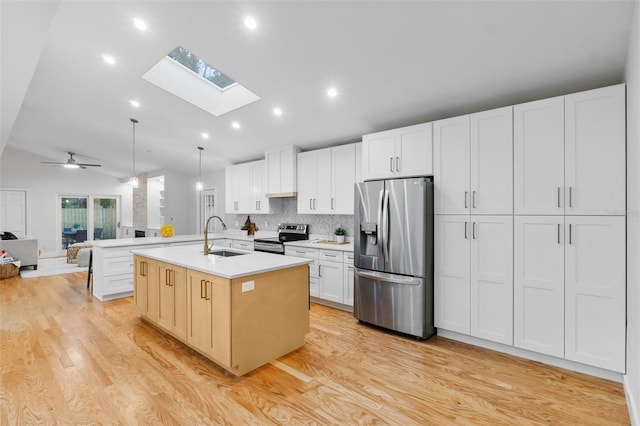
point(286, 232)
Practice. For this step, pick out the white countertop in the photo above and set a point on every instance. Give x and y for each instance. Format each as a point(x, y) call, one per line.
point(190, 256)
point(324, 246)
point(231, 234)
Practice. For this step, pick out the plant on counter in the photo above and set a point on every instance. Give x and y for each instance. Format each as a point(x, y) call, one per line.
point(340, 234)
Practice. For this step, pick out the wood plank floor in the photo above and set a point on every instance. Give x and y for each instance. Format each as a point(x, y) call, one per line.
point(67, 358)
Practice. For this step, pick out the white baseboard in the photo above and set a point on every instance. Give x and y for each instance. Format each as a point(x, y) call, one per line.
point(632, 402)
point(534, 356)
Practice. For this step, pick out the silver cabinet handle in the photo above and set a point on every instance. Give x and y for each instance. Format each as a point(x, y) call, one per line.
point(570, 196)
point(558, 196)
point(474, 231)
point(391, 164)
point(397, 164)
point(310, 203)
point(319, 270)
point(465, 231)
point(558, 233)
point(570, 234)
point(314, 203)
point(257, 206)
point(330, 255)
point(473, 199)
point(332, 204)
point(465, 199)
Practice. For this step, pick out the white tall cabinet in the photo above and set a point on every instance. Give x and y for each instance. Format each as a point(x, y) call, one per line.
point(569, 186)
point(473, 172)
point(245, 188)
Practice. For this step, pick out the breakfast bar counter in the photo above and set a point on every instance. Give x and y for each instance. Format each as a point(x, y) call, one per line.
point(240, 309)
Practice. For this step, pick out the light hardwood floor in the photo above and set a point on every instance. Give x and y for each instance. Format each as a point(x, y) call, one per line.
point(67, 358)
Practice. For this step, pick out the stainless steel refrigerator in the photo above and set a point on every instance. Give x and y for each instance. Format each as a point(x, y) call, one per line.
point(394, 255)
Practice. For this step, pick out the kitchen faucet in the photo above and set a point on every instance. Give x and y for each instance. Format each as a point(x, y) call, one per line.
point(206, 233)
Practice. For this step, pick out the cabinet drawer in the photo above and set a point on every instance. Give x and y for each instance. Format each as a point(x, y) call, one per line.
point(124, 251)
point(243, 245)
point(301, 252)
point(120, 283)
point(118, 265)
point(331, 255)
point(348, 258)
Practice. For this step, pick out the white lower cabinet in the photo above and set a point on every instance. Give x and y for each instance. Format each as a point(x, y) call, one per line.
point(330, 274)
point(242, 244)
point(595, 288)
point(474, 275)
point(539, 284)
point(569, 295)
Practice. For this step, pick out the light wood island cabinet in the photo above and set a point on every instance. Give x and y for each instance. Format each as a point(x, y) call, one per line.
point(240, 323)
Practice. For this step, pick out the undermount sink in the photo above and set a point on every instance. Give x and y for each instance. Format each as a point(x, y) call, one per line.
point(226, 253)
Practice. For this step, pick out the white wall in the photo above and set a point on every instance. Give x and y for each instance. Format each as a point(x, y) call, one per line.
point(179, 209)
point(632, 378)
point(22, 170)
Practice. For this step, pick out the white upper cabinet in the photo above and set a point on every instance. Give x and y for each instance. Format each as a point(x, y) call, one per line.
point(595, 288)
point(595, 152)
point(281, 173)
point(326, 179)
point(538, 129)
point(398, 153)
point(451, 166)
point(492, 162)
point(244, 188)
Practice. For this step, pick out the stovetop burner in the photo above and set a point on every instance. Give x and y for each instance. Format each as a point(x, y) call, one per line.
point(286, 232)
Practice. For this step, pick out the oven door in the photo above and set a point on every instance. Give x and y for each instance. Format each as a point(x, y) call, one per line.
point(269, 247)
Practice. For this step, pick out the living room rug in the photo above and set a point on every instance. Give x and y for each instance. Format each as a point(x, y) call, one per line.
point(52, 266)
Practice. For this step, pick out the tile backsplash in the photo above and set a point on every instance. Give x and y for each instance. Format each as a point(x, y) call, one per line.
point(287, 212)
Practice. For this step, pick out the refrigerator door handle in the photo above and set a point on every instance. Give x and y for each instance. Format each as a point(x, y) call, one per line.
point(380, 231)
point(396, 279)
point(385, 225)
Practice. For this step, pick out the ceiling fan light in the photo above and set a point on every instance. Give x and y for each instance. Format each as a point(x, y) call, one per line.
point(71, 166)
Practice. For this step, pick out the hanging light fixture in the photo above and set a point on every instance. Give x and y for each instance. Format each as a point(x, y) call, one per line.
point(200, 183)
point(134, 180)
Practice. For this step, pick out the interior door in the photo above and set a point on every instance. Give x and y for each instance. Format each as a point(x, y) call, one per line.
point(13, 211)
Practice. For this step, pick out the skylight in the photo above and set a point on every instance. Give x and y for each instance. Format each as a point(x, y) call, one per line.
point(191, 78)
point(200, 67)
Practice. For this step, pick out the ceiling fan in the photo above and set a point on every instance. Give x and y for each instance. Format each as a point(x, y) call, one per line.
point(71, 163)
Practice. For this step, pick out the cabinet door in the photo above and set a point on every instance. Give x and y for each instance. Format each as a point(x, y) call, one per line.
point(274, 167)
point(595, 152)
point(492, 278)
point(452, 273)
point(322, 201)
point(330, 281)
point(231, 189)
point(306, 181)
point(244, 188)
point(414, 150)
point(219, 293)
point(378, 155)
point(492, 162)
point(348, 281)
point(259, 202)
point(198, 311)
point(179, 281)
point(451, 162)
point(165, 296)
point(538, 311)
point(538, 152)
point(595, 291)
point(343, 178)
point(145, 289)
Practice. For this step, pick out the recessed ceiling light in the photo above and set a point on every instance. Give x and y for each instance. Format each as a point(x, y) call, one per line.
point(332, 92)
point(140, 24)
point(250, 23)
point(235, 125)
point(277, 111)
point(204, 135)
point(134, 104)
point(109, 59)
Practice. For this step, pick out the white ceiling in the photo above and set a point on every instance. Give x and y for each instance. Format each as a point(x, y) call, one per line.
point(394, 63)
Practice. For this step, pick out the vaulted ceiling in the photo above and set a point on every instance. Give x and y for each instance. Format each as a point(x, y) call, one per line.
point(393, 63)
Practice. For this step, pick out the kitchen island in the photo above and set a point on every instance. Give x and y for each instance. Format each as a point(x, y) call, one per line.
point(240, 309)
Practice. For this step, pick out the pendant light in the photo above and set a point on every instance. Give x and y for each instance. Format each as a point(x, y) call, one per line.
point(200, 183)
point(134, 180)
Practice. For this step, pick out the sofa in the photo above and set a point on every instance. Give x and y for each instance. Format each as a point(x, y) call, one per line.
point(26, 251)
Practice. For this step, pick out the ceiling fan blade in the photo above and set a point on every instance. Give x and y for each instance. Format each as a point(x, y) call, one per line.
point(51, 162)
point(88, 165)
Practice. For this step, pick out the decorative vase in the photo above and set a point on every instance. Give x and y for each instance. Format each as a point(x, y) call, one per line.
point(340, 238)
